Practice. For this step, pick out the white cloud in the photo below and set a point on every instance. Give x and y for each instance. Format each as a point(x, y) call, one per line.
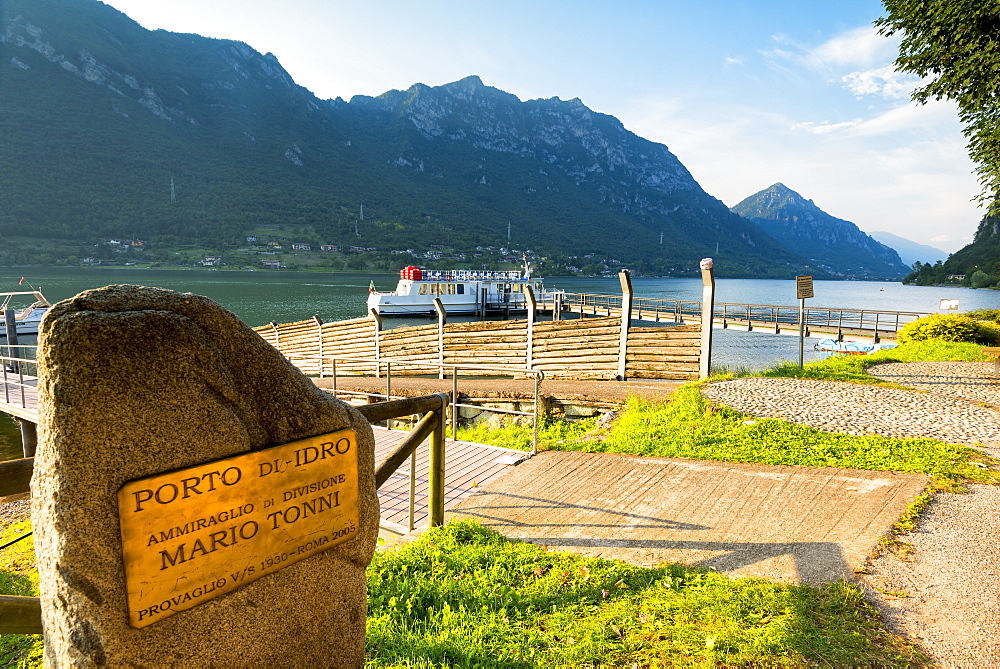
point(861, 47)
point(825, 127)
point(885, 81)
point(732, 60)
point(907, 117)
point(941, 238)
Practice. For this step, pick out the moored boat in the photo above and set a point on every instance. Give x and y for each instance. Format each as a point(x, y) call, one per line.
point(849, 347)
point(460, 291)
point(26, 319)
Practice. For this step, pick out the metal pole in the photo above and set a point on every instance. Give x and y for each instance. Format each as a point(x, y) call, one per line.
point(707, 310)
point(11, 325)
point(435, 477)
point(534, 427)
point(413, 486)
point(388, 380)
point(802, 329)
point(454, 403)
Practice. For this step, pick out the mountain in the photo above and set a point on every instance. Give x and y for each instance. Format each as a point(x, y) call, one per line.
point(108, 130)
point(979, 262)
point(909, 251)
point(832, 244)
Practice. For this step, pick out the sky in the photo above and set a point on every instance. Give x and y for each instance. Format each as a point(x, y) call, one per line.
point(746, 93)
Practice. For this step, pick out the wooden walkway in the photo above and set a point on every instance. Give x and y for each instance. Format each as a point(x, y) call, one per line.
point(786, 524)
point(467, 465)
point(19, 396)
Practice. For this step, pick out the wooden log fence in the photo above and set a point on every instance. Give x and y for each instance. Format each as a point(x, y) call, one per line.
point(591, 348)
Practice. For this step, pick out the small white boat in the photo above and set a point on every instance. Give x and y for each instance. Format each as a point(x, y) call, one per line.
point(460, 291)
point(849, 347)
point(26, 319)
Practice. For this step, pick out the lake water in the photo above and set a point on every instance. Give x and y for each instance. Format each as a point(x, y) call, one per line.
point(260, 297)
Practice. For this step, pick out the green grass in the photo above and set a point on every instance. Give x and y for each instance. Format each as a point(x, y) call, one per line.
point(853, 367)
point(690, 427)
point(551, 433)
point(464, 596)
point(18, 576)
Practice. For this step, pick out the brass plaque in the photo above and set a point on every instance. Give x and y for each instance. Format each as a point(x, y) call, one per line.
point(192, 535)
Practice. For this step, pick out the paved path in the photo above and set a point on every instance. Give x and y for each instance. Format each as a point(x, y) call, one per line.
point(974, 381)
point(782, 523)
point(853, 408)
point(945, 594)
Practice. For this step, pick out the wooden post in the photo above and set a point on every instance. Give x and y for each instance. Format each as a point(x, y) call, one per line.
point(532, 305)
point(29, 437)
point(378, 329)
point(277, 335)
point(442, 320)
point(626, 281)
point(435, 477)
point(20, 615)
point(319, 341)
point(707, 312)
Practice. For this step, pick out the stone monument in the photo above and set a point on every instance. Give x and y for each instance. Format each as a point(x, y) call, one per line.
point(196, 500)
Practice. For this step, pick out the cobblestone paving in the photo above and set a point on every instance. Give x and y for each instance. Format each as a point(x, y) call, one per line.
point(974, 381)
point(853, 408)
point(951, 583)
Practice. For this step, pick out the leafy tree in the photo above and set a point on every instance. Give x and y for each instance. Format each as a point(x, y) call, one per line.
point(981, 279)
point(954, 45)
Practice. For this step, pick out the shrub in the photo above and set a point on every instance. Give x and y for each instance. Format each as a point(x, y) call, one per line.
point(981, 279)
point(985, 315)
point(950, 327)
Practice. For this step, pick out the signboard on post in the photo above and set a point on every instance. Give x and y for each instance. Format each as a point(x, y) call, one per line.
point(191, 535)
point(803, 287)
point(803, 290)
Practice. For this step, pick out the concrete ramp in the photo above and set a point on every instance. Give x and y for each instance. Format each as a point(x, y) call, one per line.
point(785, 524)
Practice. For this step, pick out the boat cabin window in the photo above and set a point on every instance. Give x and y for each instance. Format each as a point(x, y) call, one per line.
point(538, 286)
point(423, 289)
point(451, 289)
point(461, 289)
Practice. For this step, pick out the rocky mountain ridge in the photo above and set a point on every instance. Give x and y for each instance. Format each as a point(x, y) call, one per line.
point(108, 130)
point(832, 244)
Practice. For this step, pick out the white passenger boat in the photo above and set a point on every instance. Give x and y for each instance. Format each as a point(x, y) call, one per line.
point(26, 319)
point(460, 291)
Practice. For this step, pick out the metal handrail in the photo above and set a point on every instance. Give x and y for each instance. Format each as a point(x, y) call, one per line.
point(536, 374)
point(862, 319)
point(15, 374)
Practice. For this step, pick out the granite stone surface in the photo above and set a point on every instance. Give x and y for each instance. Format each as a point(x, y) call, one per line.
point(138, 381)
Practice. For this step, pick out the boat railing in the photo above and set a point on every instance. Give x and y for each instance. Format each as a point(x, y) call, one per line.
point(383, 369)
